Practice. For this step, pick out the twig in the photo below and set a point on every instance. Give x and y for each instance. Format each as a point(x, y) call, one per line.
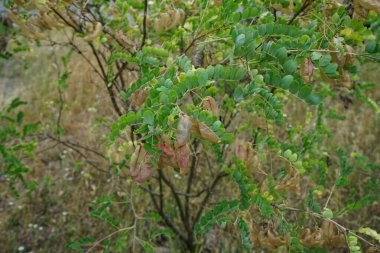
point(168, 222)
point(303, 7)
point(144, 24)
point(328, 199)
point(205, 199)
point(79, 152)
point(108, 236)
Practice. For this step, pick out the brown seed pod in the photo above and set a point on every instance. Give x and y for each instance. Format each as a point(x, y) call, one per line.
point(373, 5)
point(176, 19)
point(349, 57)
point(166, 146)
point(286, 10)
point(307, 70)
point(210, 105)
point(166, 19)
point(185, 124)
point(95, 33)
point(140, 166)
point(124, 40)
point(182, 156)
point(203, 131)
point(51, 20)
point(138, 97)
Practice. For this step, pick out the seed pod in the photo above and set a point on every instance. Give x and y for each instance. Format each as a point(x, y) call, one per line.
point(176, 19)
point(241, 151)
point(140, 166)
point(51, 21)
point(210, 105)
point(166, 147)
point(350, 58)
point(183, 129)
point(203, 131)
point(166, 160)
point(158, 26)
point(182, 15)
point(165, 19)
point(124, 40)
point(370, 5)
point(182, 156)
point(95, 33)
point(138, 97)
point(307, 70)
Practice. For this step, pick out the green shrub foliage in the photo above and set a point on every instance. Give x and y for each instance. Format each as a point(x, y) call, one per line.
point(203, 91)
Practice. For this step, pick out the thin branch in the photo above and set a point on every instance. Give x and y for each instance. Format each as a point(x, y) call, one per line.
point(80, 153)
point(144, 24)
point(109, 236)
point(202, 36)
point(109, 88)
point(205, 199)
point(190, 180)
point(176, 198)
point(299, 12)
point(168, 222)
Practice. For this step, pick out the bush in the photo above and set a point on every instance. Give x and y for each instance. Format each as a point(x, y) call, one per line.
point(204, 92)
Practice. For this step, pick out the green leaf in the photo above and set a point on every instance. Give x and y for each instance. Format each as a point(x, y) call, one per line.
point(293, 158)
point(286, 81)
point(327, 213)
point(315, 56)
point(370, 47)
point(281, 54)
point(148, 117)
point(245, 234)
point(202, 77)
point(78, 244)
point(238, 93)
point(287, 153)
point(290, 66)
point(314, 99)
point(240, 40)
point(239, 73)
point(324, 60)
point(146, 246)
point(305, 91)
point(15, 103)
point(331, 70)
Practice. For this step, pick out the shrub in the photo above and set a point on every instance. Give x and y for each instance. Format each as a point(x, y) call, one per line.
point(201, 90)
